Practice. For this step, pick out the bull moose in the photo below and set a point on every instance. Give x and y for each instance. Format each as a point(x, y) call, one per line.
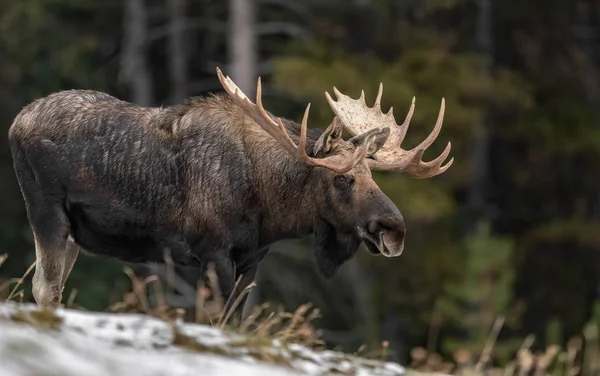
point(216, 180)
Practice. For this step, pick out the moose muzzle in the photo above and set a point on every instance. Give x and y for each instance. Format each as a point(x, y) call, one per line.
point(384, 236)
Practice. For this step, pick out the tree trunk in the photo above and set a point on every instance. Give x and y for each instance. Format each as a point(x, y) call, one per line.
point(480, 155)
point(243, 65)
point(479, 158)
point(243, 54)
point(177, 53)
point(134, 68)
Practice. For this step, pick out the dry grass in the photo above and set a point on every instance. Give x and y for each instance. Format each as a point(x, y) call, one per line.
point(41, 319)
point(262, 322)
point(259, 329)
point(210, 309)
point(15, 292)
point(580, 356)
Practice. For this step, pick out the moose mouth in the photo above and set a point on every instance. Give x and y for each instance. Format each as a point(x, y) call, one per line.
point(374, 249)
point(376, 242)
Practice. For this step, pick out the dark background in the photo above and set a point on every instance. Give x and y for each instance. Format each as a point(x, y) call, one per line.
point(511, 229)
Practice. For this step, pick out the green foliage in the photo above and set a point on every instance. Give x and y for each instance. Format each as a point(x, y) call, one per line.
point(595, 316)
point(66, 59)
point(484, 293)
point(556, 262)
point(419, 199)
point(554, 335)
point(107, 286)
point(580, 231)
point(561, 128)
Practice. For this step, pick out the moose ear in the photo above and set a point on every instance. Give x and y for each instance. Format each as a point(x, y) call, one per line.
point(329, 138)
point(375, 137)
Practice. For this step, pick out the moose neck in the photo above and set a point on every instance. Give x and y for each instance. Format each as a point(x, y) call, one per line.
point(292, 199)
point(286, 187)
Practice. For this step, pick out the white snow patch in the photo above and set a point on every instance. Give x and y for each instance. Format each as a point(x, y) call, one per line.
point(103, 344)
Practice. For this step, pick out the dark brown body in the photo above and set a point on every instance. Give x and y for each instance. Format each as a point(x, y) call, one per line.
point(201, 180)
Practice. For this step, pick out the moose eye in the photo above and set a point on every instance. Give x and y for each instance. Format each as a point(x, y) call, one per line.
point(342, 181)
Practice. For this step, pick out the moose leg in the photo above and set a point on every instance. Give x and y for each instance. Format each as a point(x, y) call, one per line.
point(71, 253)
point(50, 229)
point(44, 200)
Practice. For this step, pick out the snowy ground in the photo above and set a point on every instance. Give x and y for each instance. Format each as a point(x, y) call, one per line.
point(78, 343)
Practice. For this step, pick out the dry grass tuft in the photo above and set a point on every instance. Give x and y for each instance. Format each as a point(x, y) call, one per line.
point(579, 357)
point(285, 327)
point(136, 300)
point(190, 343)
point(262, 326)
point(16, 281)
point(260, 329)
point(44, 319)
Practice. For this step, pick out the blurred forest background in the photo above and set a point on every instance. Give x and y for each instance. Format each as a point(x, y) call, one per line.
point(511, 230)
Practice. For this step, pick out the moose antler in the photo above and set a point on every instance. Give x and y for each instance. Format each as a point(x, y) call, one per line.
point(340, 163)
point(357, 118)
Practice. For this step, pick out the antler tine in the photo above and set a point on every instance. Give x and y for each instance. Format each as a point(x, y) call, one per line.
point(422, 170)
point(257, 112)
point(281, 132)
point(230, 87)
point(436, 129)
point(399, 132)
point(303, 130)
point(275, 127)
point(379, 95)
point(417, 167)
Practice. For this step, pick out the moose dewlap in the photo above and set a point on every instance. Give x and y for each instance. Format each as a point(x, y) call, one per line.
point(215, 181)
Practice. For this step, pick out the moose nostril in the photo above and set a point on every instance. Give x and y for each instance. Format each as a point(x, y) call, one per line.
point(395, 225)
point(373, 226)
